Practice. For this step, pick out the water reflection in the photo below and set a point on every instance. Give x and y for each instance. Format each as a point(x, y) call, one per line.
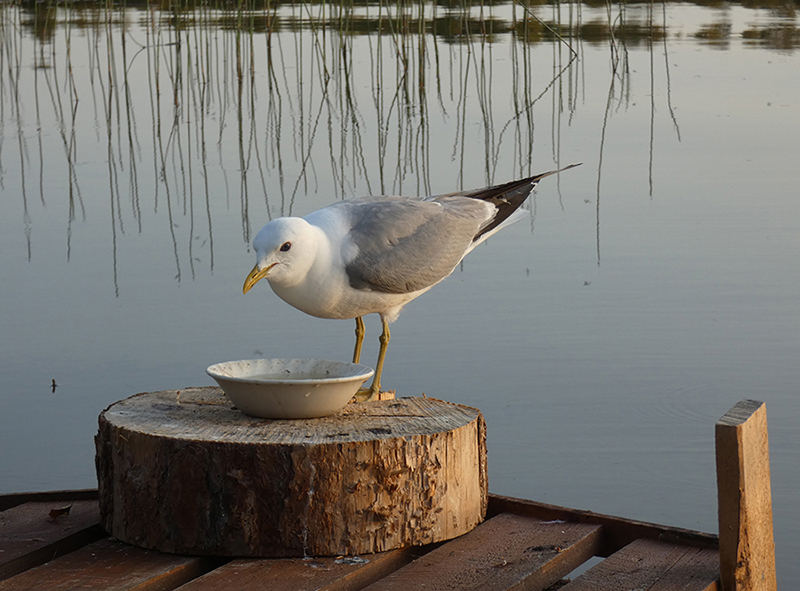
point(450, 22)
point(784, 37)
point(213, 111)
point(250, 108)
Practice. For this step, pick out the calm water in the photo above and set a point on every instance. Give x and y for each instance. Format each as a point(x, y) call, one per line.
point(653, 288)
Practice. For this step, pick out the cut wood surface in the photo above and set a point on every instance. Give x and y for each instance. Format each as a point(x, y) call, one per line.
point(652, 565)
point(184, 471)
point(506, 552)
point(109, 565)
point(617, 531)
point(344, 573)
point(57, 496)
point(33, 533)
point(746, 542)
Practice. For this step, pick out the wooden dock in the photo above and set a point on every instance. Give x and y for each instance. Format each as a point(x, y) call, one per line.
point(53, 541)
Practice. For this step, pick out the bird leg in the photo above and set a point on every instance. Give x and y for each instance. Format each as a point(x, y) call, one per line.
point(371, 393)
point(359, 339)
point(384, 340)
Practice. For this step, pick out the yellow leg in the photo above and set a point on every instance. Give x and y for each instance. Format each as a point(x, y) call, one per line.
point(359, 339)
point(384, 340)
point(371, 393)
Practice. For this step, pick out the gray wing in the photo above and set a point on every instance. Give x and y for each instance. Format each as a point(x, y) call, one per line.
point(405, 244)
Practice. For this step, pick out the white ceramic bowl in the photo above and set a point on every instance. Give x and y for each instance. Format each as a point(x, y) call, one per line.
point(289, 388)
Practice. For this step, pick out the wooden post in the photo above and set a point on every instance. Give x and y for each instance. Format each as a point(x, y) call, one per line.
point(746, 543)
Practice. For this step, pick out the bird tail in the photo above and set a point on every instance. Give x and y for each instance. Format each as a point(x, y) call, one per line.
point(507, 198)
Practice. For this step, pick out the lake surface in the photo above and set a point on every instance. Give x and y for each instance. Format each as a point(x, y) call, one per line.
point(655, 286)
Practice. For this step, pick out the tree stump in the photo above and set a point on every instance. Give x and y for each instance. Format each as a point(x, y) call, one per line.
point(184, 471)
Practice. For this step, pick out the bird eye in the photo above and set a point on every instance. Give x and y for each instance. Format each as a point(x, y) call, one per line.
point(286, 246)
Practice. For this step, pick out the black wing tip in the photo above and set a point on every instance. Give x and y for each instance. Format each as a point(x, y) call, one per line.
point(523, 183)
point(508, 197)
point(535, 179)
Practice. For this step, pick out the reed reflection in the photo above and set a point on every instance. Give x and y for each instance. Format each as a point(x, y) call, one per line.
point(452, 22)
point(254, 107)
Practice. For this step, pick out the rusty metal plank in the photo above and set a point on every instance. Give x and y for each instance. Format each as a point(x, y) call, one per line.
point(112, 566)
point(302, 574)
point(505, 552)
point(655, 566)
point(33, 533)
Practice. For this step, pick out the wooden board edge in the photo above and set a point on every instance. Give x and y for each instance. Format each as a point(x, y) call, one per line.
point(653, 565)
point(376, 569)
point(618, 531)
point(181, 575)
point(60, 547)
point(564, 562)
point(10, 500)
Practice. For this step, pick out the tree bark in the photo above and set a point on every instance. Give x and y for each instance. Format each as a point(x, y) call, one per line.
point(183, 471)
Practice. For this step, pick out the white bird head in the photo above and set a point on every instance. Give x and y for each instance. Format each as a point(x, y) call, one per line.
point(285, 251)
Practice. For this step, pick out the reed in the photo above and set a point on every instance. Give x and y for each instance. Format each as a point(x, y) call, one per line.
point(196, 108)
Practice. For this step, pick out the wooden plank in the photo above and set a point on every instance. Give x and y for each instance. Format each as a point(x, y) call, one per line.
point(506, 552)
point(618, 532)
point(746, 542)
point(33, 533)
point(111, 566)
point(652, 565)
point(303, 574)
point(13, 499)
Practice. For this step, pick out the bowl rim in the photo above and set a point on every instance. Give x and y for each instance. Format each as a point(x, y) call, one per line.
point(364, 373)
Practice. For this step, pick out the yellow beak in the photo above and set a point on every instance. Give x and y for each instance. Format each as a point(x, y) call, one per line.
point(255, 276)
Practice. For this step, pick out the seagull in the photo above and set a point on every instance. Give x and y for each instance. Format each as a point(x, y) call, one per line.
point(373, 255)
